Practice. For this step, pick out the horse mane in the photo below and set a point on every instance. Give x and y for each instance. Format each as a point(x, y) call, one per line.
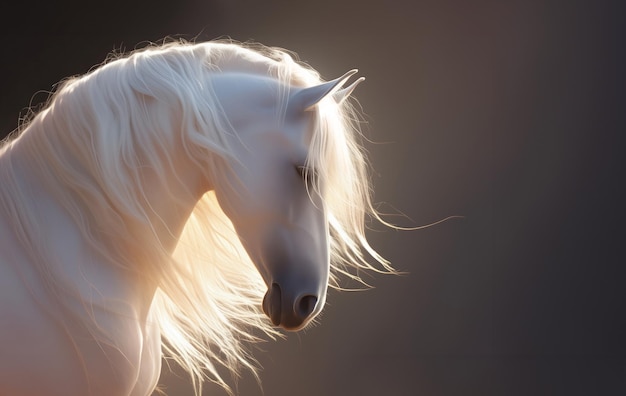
point(98, 132)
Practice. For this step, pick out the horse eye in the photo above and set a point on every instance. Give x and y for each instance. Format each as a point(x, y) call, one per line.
point(306, 174)
point(302, 171)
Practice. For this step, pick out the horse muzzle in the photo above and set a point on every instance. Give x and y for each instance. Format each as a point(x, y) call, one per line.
point(290, 311)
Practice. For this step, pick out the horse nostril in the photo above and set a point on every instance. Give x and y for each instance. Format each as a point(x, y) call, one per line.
point(272, 303)
point(305, 305)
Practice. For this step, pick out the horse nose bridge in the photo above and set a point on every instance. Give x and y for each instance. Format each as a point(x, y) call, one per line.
point(299, 294)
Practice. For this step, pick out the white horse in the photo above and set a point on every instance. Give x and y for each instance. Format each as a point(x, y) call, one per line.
point(159, 202)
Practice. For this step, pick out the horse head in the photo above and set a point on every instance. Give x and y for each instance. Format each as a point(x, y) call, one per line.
point(271, 195)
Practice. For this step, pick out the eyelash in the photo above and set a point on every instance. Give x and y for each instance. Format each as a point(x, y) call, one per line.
point(306, 174)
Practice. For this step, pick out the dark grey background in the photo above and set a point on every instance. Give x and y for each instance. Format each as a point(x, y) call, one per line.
point(510, 113)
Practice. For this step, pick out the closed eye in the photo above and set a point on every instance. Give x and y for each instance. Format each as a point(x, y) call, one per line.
point(307, 174)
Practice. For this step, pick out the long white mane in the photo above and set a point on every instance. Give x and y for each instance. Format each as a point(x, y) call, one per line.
point(98, 133)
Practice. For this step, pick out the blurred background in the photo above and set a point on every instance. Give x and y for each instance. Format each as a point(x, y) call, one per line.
point(509, 113)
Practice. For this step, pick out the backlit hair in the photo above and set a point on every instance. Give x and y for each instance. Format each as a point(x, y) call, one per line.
point(98, 131)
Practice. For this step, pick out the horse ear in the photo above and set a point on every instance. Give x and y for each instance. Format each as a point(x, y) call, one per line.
point(307, 98)
point(343, 93)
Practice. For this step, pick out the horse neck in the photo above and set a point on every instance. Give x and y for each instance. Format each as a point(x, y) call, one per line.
point(169, 201)
point(166, 196)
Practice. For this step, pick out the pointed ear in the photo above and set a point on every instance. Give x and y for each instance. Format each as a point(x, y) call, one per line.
point(307, 98)
point(343, 93)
